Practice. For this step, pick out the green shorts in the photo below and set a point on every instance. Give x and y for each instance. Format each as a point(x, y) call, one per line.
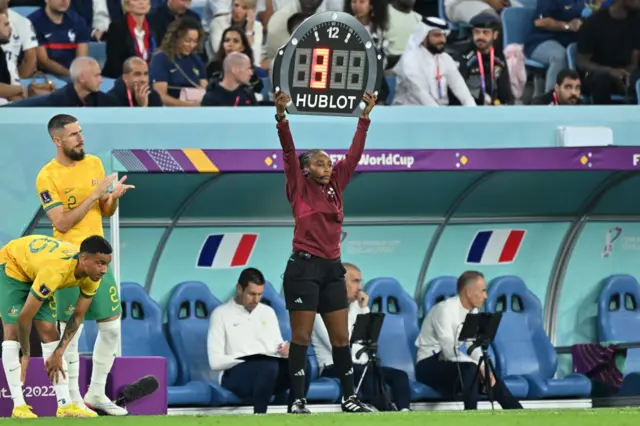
point(13, 294)
point(106, 302)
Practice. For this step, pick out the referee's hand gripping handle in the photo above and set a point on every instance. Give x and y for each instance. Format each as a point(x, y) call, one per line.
point(370, 101)
point(281, 101)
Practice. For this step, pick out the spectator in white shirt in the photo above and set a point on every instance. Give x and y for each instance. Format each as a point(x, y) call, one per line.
point(101, 19)
point(245, 344)
point(425, 71)
point(8, 92)
point(397, 380)
point(402, 20)
point(442, 361)
point(23, 43)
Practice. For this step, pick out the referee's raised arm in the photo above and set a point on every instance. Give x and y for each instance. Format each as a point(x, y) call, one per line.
point(343, 170)
point(292, 171)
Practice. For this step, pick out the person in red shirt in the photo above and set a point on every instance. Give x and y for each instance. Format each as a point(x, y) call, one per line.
point(314, 276)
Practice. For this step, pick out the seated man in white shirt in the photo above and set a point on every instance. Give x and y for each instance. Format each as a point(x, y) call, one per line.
point(425, 72)
point(246, 345)
point(442, 361)
point(397, 380)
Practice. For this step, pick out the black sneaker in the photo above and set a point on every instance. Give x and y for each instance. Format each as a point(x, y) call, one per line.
point(353, 405)
point(299, 406)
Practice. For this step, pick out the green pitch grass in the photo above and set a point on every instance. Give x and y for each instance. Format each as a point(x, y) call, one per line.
point(619, 417)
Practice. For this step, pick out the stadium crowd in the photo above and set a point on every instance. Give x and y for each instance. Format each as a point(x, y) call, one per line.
point(479, 52)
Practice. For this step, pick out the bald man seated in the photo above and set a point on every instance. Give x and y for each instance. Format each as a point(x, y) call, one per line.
point(132, 89)
point(396, 380)
point(234, 89)
point(82, 91)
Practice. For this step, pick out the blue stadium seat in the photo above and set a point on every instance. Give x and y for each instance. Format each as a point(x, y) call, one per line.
point(518, 386)
point(58, 82)
point(400, 325)
point(88, 337)
point(460, 27)
point(523, 347)
point(439, 289)
point(618, 307)
point(266, 87)
point(321, 389)
point(391, 82)
point(98, 51)
point(517, 24)
point(24, 10)
point(276, 301)
point(198, 9)
point(188, 311)
point(142, 335)
point(572, 51)
point(107, 84)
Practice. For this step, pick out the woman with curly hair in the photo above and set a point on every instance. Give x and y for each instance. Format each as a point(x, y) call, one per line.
point(177, 72)
point(233, 40)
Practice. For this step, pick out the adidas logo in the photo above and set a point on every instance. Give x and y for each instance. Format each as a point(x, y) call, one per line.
point(351, 406)
point(299, 373)
point(298, 300)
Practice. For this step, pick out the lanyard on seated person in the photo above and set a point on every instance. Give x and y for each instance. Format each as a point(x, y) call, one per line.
point(130, 97)
point(439, 79)
point(483, 82)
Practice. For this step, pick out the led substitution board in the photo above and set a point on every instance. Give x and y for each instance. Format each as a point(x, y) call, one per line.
point(327, 65)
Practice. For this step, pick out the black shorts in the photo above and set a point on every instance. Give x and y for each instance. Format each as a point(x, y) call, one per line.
point(314, 284)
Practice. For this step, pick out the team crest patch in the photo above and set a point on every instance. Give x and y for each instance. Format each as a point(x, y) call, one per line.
point(94, 182)
point(45, 197)
point(44, 290)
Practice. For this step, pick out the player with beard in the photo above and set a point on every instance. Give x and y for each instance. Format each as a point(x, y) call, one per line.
point(484, 67)
point(68, 190)
point(565, 92)
point(425, 71)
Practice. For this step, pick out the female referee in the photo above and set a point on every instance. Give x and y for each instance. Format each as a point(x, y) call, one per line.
point(314, 276)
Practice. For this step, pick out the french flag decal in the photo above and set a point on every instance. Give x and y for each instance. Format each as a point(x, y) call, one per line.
point(495, 247)
point(222, 251)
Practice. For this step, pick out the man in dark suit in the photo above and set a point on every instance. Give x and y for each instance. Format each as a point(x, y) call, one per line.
point(133, 89)
point(83, 91)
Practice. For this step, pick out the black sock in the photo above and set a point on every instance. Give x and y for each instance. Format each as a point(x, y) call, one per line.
point(344, 367)
point(297, 367)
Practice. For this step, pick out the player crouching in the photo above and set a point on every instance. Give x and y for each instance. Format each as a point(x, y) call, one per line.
point(32, 268)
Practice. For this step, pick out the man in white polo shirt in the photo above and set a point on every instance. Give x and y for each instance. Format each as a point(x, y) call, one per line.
point(246, 345)
point(397, 380)
point(442, 361)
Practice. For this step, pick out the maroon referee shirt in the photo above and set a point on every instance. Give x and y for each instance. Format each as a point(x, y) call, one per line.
point(317, 209)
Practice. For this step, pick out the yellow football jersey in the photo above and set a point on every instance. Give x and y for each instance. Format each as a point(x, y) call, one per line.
point(58, 185)
point(45, 263)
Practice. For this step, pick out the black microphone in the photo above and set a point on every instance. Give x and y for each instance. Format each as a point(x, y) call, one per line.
point(473, 347)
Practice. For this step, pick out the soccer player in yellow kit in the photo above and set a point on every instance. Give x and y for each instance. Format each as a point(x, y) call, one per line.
point(73, 192)
point(32, 270)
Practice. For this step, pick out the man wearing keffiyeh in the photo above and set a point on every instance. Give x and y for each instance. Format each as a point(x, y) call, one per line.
point(425, 71)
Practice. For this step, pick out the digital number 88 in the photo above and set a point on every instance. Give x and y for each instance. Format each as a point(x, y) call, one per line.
point(313, 73)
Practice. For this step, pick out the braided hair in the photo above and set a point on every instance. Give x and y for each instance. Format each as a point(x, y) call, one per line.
point(305, 158)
